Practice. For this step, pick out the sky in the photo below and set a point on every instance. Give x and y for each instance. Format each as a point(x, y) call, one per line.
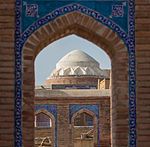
point(46, 60)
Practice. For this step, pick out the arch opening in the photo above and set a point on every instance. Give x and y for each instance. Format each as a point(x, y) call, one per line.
point(83, 119)
point(83, 55)
point(42, 121)
point(44, 131)
point(84, 129)
point(99, 35)
point(47, 60)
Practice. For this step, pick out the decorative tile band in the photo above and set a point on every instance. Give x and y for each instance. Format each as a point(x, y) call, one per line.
point(71, 8)
point(132, 75)
point(18, 79)
point(129, 40)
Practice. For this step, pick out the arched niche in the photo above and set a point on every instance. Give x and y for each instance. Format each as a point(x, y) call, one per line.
point(99, 34)
point(44, 133)
point(86, 131)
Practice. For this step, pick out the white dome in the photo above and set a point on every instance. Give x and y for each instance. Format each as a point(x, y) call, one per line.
point(77, 58)
point(76, 63)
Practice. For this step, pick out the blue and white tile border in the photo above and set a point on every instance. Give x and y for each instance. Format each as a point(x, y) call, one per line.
point(129, 40)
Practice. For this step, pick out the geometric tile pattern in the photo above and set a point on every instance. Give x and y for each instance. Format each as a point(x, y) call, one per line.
point(117, 10)
point(31, 10)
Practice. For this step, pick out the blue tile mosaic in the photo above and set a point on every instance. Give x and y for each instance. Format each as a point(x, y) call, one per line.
point(108, 8)
point(118, 15)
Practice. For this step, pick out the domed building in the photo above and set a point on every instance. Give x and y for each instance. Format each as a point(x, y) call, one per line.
point(77, 70)
point(75, 101)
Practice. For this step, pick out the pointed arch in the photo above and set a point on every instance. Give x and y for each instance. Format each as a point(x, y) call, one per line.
point(88, 28)
point(92, 129)
point(84, 111)
point(48, 114)
point(49, 132)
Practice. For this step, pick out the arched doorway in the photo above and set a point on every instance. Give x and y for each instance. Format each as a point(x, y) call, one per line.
point(84, 129)
point(44, 128)
point(51, 54)
point(97, 33)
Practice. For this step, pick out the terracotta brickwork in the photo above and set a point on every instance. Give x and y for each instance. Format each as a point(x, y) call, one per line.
point(66, 131)
point(143, 72)
point(86, 27)
point(83, 80)
point(7, 62)
point(40, 134)
point(77, 132)
point(95, 32)
point(104, 84)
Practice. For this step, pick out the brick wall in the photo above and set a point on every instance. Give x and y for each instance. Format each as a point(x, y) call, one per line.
point(83, 80)
point(143, 71)
point(44, 132)
point(102, 36)
point(104, 84)
point(66, 132)
point(7, 27)
point(63, 125)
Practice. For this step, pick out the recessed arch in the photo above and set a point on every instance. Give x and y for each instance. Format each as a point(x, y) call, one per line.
point(47, 113)
point(48, 131)
point(63, 26)
point(83, 111)
point(92, 129)
point(95, 32)
point(60, 48)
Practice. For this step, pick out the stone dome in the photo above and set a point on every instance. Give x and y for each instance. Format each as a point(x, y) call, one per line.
point(77, 63)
